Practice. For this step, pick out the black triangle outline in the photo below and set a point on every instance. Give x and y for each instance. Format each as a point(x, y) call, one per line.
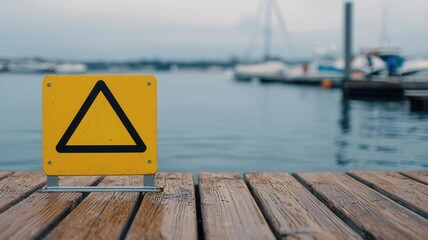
point(100, 86)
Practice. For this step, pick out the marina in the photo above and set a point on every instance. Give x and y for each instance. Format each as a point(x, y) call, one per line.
point(334, 205)
point(379, 72)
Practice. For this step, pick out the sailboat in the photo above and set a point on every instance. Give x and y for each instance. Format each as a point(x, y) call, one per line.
point(395, 63)
point(269, 69)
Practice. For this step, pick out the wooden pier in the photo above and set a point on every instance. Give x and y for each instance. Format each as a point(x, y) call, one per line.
point(383, 87)
point(335, 81)
point(355, 205)
point(418, 100)
point(377, 87)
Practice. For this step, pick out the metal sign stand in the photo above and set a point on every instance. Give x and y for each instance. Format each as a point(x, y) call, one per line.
point(53, 186)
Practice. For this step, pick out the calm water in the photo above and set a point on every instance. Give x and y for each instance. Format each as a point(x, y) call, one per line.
point(208, 122)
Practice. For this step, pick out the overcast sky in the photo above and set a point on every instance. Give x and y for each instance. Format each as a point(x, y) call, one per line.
point(199, 29)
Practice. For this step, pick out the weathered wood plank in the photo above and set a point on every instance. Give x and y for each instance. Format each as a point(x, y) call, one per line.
point(364, 208)
point(409, 193)
point(421, 176)
point(228, 209)
point(35, 215)
point(5, 174)
point(101, 215)
point(18, 186)
point(293, 211)
point(170, 214)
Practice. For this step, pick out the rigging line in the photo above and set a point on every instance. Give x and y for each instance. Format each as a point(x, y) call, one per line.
point(268, 30)
point(283, 25)
point(250, 47)
point(384, 39)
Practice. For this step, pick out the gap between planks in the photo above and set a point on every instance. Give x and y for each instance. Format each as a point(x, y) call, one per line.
point(46, 215)
point(405, 191)
point(39, 213)
point(5, 174)
point(420, 176)
point(363, 208)
point(229, 210)
point(170, 214)
point(101, 215)
point(18, 186)
point(196, 200)
point(292, 211)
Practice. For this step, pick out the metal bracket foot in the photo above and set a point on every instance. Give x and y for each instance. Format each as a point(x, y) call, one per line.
point(149, 182)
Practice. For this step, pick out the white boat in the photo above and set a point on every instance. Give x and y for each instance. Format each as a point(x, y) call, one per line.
point(70, 68)
point(397, 65)
point(324, 64)
point(264, 70)
point(414, 67)
point(328, 65)
point(273, 70)
point(30, 66)
point(363, 66)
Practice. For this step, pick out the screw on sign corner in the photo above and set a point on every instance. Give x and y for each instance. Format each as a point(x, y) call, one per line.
point(49, 84)
point(149, 161)
point(149, 83)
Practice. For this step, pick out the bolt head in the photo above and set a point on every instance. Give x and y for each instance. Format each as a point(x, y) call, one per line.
point(149, 83)
point(49, 162)
point(49, 84)
point(149, 161)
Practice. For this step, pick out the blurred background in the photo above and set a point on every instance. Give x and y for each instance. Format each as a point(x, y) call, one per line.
point(243, 85)
point(197, 30)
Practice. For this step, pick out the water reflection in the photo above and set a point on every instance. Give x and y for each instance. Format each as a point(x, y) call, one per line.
point(383, 133)
point(345, 121)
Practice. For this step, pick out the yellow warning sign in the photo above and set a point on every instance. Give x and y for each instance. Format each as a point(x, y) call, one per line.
point(99, 125)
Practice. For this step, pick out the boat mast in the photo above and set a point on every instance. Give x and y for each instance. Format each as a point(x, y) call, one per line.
point(268, 29)
point(384, 38)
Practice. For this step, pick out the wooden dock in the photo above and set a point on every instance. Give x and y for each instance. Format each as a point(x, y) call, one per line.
point(418, 100)
point(336, 81)
point(382, 88)
point(355, 205)
point(377, 87)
